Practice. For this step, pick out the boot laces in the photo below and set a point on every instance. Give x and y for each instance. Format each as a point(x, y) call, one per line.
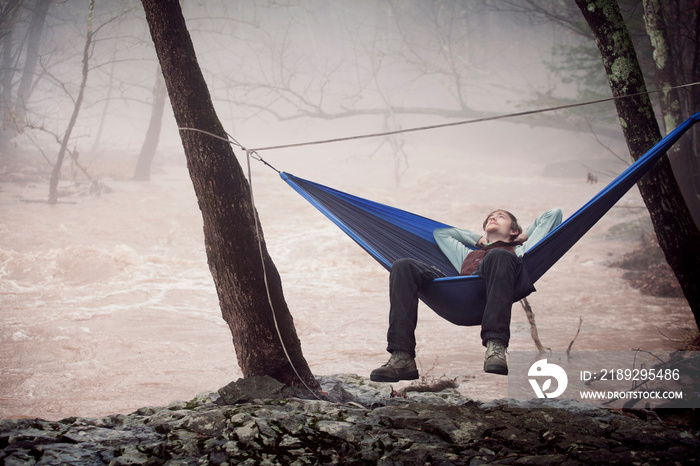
point(398, 359)
point(496, 349)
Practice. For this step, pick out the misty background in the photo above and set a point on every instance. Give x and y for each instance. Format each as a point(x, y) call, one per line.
point(107, 301)
point(280, 72)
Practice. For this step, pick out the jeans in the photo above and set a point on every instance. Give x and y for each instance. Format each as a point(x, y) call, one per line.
point(499, 268)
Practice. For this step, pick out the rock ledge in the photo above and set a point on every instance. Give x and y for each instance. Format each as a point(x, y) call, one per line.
point(259, 421)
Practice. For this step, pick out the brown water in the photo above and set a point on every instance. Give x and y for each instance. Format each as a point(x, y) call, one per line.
point(108, 304)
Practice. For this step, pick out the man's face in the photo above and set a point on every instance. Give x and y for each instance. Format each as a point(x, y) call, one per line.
point(499, 223)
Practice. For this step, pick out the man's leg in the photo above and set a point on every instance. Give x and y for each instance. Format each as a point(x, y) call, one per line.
point(498, 268)
point(407, 275)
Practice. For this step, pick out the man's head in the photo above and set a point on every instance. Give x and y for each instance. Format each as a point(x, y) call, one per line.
point(502, 223)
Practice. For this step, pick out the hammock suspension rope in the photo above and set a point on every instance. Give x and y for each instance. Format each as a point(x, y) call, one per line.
point(267, 286)
point(232, 141)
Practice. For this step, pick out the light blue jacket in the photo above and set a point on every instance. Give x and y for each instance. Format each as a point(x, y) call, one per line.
point(456, 243)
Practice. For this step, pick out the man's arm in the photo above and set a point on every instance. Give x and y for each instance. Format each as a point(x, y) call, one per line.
point(542, 225)
point(456, 243)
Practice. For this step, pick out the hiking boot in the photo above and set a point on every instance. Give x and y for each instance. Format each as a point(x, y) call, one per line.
point(495, 360)
point(401, 366)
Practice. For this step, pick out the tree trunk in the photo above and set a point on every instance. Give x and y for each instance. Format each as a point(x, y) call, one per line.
point(150, 143)
point(669, 73)
point(8, 20)
point(6, 86)
point(663, 59)
point(56, 172)
point(694, 97)
point(36, 27)
point(230, 225)
point(676, 231)
point(105, 110)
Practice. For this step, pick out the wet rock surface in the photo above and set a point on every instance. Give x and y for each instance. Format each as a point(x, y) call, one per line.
point(260, 421)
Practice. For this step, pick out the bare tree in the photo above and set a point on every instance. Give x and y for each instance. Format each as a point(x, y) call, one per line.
point(36, 28)
point(8, 12)
point(9, 17)
point(247, 282)
point(388, 59)
point(150, 143)
point(678, 235)
point(56, 172)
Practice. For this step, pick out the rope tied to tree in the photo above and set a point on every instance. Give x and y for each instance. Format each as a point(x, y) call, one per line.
point(250, 154)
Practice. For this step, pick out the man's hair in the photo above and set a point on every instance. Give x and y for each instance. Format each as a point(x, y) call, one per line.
point(513, 222)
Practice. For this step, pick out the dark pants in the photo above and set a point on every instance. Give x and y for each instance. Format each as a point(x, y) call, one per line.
point(498, 268)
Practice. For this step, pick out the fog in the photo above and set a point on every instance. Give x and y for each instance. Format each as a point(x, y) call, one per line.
point(107, 301)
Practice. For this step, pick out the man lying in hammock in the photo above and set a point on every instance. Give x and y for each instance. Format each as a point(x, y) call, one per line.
point(495, 256)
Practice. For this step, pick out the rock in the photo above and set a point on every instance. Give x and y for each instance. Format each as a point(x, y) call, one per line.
point(354, 422)
point(249, 389)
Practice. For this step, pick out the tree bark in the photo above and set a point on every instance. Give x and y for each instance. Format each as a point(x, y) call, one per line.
point(675, 229)
point(669, 73)
point(665, 74)
point(230, 223)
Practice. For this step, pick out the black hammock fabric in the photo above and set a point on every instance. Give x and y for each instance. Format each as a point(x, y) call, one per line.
point(388, 234)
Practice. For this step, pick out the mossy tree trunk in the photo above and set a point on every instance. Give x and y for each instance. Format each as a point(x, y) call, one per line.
point(669, 56)
point(223, 194)
point(675, 228)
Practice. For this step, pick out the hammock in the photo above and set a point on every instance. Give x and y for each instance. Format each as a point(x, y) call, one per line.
point(388, 234)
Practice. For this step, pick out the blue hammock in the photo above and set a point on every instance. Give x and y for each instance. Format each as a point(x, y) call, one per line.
point(388, 234)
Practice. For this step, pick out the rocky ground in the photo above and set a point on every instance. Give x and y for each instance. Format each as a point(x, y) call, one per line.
point(259, 421)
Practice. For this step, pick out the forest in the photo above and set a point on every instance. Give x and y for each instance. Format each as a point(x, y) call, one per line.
point(90, 113)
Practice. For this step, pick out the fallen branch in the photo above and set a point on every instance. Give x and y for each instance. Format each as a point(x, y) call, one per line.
point(580, 322)
point(431, 387)
point(533, 327)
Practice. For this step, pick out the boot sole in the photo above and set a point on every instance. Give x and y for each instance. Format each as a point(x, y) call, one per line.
point(413, 375)
point(496, 369)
